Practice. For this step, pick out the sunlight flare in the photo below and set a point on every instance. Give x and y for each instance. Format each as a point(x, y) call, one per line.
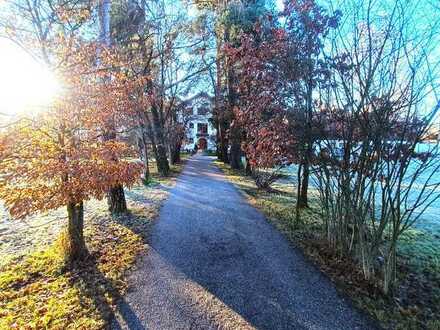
point(26, 86)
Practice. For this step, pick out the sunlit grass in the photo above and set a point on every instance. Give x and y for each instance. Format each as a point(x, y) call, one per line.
point(38, 291)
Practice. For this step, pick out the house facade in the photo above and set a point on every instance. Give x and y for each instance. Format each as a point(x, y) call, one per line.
point(199, 130)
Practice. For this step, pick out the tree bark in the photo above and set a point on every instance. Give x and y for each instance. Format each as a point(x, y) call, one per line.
point(222, 148)
point(163, 166)
point(75, 230)
point(162, 161)
point(248, 168)
point(234, 131)
point(308, 138)
point(223, 144)
point(116, 200)
point(303, 195)
point(175, 154)
point(217, 145)
point(235, 156)
point(144, 152)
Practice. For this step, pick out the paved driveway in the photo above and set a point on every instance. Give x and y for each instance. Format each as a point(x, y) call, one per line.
point(215, 262)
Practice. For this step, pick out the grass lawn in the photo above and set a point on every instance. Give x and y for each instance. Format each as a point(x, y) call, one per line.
point(37, 292)
point(416, 301)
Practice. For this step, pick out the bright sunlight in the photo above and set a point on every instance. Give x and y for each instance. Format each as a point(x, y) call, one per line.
point(26, 86)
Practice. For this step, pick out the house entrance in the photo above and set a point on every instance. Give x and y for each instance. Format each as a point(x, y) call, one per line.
point(202, 144)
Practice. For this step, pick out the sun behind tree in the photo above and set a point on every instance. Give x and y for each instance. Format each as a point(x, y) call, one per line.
point(59, 158)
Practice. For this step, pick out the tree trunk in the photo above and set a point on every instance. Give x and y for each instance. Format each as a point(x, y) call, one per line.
point(303, 198)
point(75, 230)
point(146, 174)
point(235, 156)
point(222, 149)
point(175, 154)
point(143, 151)
point(163, 166)
point(248, 168)
point(116, 200)
point(389, 269)
point(104, 16)
point(162, 161)
point(218, 139)
point(223, 144)
point(115, 196)
point(298, 193)
point(234, 131)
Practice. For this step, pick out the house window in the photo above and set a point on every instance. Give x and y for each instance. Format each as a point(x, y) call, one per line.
point(202, 111)
point(190, 140)
point(202, 128)
point(191, 125)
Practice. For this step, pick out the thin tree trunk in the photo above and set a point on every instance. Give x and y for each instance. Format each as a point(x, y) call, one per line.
point(390, 268)
point(298, 193)
point(303, 195)
point(75, 230)
point(248, 168)
point(163, 166)
point(105, 10)
point(218, 144)
point(222, 149)
point(146, 175)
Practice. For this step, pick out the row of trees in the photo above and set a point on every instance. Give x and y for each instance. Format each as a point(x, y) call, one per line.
point(123, 77)
point(347, 94)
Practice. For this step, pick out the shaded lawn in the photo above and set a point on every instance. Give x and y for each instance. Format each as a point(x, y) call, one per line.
point(416, 302)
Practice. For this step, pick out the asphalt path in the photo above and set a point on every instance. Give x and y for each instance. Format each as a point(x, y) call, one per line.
point(216, 263)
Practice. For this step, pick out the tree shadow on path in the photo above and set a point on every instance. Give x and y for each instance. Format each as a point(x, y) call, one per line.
point(103, 294)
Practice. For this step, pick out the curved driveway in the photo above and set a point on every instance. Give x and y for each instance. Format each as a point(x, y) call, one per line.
point(215, 262)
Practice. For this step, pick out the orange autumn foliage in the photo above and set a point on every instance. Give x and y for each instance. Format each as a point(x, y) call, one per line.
point(59, 156)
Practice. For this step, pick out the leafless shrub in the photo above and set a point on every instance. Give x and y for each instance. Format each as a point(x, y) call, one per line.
point(374, 171)
point(264, 178)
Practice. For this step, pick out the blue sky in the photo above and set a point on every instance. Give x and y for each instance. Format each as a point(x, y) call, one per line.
point(25, 82)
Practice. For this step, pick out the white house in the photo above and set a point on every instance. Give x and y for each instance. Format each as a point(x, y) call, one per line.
point(199, 130)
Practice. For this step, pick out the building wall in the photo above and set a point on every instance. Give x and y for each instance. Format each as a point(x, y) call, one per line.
point(192, 135)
